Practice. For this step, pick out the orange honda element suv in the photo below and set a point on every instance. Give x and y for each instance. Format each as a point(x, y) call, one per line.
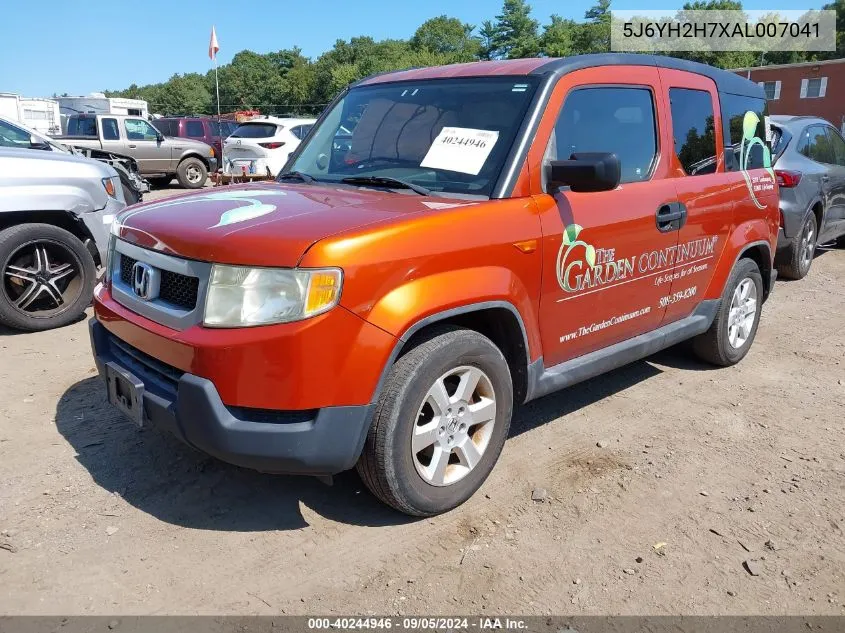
point(446, 243)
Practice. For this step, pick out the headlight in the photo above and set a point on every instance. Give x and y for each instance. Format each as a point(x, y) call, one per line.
point(243, 297)
point(109, 260)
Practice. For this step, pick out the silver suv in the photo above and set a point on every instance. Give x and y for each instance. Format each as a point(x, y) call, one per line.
point(56, 212)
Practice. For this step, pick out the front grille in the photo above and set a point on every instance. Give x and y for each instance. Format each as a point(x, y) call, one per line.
point(180, 290)
point(176, 289)
point(163, 378)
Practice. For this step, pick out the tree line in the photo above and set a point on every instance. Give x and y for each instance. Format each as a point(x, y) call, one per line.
point(287, 82)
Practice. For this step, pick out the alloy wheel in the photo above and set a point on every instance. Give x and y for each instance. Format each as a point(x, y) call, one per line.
point(42, 278)
point(454, 425)
point(193, 174)
point(742, 313)
point(808, 245)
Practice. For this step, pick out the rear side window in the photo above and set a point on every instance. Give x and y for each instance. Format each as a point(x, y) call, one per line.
point(617, 120)
point(693, 130)
point(166, 127)
point(255, 130)
point(82, 127)
point(110, 130)
point(734, 109)
point(194, 129)
point(301, 131)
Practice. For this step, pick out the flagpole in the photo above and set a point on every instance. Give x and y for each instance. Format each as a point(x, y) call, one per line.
point(217, 85)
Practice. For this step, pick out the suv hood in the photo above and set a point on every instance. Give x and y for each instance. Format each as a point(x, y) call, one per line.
point(267, 224)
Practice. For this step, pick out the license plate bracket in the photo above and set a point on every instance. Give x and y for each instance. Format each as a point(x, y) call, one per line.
point(126, 392)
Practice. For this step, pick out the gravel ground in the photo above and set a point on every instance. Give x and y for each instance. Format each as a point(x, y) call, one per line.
point(663, 487)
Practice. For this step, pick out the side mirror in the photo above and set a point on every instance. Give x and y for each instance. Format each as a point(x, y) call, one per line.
point(585, 171)
point(37, 143)
point(160, 137)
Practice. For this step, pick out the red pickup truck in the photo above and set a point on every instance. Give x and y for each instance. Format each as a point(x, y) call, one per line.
point(446, 244)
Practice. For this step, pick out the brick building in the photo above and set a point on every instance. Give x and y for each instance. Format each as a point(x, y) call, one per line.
point(814, 88)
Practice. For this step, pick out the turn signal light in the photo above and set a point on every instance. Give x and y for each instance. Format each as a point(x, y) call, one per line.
point(787, 178)
point(275, 145)
point(323, 291)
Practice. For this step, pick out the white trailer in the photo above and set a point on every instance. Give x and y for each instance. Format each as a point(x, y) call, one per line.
point(10, 106)
point(98, 103)
point(41, 115)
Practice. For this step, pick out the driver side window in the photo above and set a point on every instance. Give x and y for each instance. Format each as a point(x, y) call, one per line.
point(615, 120)
point(12, 136)
point(139, 130)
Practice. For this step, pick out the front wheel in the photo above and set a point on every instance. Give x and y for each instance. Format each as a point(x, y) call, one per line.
point(440, 423)
point(735, 326)
point(192, 173)
point(48, 277)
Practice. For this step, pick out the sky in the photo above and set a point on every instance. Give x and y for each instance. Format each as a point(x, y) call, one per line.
point(94, 45)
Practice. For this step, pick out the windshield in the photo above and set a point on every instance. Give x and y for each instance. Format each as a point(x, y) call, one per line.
point(447, 135)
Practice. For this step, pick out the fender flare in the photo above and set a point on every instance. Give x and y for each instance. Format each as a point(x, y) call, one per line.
point(442, 316)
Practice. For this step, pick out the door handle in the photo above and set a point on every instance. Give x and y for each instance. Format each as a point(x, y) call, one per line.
point(132, 146)
point(670, 216)
point(825, 178)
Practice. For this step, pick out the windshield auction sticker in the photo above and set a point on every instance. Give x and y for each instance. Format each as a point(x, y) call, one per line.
point(460, 149)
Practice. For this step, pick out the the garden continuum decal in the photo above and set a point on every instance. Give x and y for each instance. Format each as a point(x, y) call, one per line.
point(749, 140)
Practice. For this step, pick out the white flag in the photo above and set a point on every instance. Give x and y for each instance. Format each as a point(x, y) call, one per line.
point(213, 46)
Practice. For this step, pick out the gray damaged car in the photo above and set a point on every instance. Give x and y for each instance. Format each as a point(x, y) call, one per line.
point(56, 212)
point(810, 167)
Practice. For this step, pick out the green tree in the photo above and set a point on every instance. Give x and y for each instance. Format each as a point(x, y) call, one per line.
point(558, 39)
point(593, 36)
point(448, 36)
point(515, 32)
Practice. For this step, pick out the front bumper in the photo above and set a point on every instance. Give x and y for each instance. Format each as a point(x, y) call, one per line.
point(316, 442)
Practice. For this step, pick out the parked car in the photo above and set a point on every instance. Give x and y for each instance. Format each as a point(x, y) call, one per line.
point(56, 211)
point(205, 129)
point(263, 143)
point(487, 234)
point(17, 135)
point(159, 158)
point(810, 167)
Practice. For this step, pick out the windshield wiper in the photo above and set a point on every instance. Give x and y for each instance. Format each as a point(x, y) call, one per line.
point(386, 181)
point(297, 175)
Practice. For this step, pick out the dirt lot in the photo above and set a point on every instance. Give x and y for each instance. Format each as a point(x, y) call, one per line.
point(671, 488)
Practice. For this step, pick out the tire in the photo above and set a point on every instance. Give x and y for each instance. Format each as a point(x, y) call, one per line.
point(160, 182)
point(48, 277)
point(797, 258)
point(192, 173)
point(391, 469)
point(718, 345)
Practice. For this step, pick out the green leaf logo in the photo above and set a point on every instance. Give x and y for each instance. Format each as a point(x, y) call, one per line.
point(591, 255)
point(570, 234)
point(749, 125)
point(767, 157)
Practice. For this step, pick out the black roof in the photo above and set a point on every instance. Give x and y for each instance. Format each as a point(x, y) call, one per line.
point(726, 81)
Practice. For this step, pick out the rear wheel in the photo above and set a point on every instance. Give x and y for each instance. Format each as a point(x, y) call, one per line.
point(733, 330)
point(48, 277)
point(192, 173)
point(798, 257)
point(440, 423)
